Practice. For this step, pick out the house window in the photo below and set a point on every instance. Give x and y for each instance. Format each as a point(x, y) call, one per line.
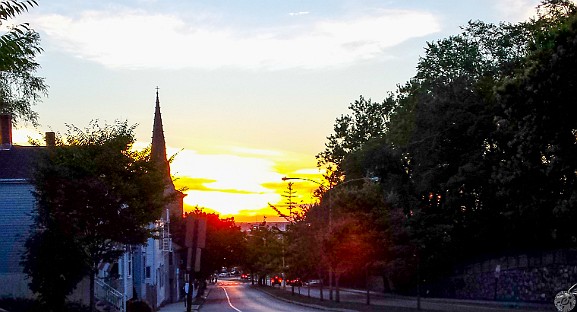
point(147, 271)
point(129, 266)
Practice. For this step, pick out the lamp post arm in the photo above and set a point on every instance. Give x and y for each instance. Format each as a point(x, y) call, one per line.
point(322, 185)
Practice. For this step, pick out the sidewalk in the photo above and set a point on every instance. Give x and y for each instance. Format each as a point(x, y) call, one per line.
point(179, 306)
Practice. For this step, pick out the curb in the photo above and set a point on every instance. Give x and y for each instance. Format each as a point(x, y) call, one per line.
point(196, 307)
point(313, 306)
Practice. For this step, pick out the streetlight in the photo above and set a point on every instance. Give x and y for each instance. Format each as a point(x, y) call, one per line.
point(328, 190)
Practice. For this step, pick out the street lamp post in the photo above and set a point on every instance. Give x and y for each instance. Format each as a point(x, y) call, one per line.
point(328, 189)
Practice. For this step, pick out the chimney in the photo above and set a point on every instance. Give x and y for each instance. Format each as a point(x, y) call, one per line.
point(5, 131)
point(50, 139)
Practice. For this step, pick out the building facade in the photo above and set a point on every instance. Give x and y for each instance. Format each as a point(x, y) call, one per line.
point(147, 272)
point(17, 205)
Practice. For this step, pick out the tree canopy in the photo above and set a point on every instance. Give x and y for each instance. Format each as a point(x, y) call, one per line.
point(476, 153)
point(20, 89)
point(96, 195)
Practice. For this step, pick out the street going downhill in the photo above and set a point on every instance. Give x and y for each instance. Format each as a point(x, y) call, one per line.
point(237, 296)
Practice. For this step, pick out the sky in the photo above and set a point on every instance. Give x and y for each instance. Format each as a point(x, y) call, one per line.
point(249, 90)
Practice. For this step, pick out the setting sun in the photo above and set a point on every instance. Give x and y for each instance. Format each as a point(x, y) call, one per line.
point(240, 183)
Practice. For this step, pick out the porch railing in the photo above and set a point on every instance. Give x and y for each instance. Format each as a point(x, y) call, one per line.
point(109, 294)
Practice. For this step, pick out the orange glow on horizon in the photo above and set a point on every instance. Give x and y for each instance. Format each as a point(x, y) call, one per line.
point(243, 182)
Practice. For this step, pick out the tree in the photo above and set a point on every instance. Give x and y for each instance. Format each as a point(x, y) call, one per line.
point(19, 87)
point(224, 243)
point(348, 246)
point(368, 120)
point(264, 251)
point(56, 264)
point(98, 195)
point(538, 142)
point(296, 211)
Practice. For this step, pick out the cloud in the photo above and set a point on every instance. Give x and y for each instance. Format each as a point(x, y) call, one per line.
point(137, 39)
point(299, 13)
point(244, 181)
point(516, 10)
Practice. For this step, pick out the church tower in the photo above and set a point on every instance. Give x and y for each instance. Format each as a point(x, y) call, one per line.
point(158, 155)
point(158, 149)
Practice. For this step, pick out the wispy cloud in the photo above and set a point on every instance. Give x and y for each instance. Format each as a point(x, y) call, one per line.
point(246, 180)
point(516, 10)
point(138, 39)
point(299, 13)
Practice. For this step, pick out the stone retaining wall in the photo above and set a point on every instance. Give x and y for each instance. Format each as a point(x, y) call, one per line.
point(533, 278)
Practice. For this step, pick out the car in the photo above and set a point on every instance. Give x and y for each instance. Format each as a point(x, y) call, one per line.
point(295, 282)
point(276, 280)
point(244, 276)
point(313, 283)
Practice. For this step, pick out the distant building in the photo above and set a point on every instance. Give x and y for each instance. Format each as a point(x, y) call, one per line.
point(248, 226)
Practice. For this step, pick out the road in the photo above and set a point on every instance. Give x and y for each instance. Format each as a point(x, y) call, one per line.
point(231, 295)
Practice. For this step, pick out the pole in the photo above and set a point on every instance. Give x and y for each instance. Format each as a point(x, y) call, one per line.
point(330, 233)
point(190, 278)
point(418, 283)
point(191, 242)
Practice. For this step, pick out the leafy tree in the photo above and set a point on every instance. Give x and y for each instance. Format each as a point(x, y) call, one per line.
point(19, 87)
point(539, 142)
point(224, 243)
point(368, 120)
point(98, 195)
point(264, 251)
point(56, 265)
point(348, 246)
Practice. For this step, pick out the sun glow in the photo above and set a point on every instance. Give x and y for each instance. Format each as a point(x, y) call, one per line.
point(239, 183)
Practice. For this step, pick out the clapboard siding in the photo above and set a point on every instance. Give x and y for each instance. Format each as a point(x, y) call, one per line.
point(16, 208)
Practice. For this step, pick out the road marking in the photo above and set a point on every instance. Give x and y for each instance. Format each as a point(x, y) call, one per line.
point(228, 298)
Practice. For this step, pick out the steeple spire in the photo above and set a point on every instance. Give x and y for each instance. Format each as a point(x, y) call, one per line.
point(158, 148)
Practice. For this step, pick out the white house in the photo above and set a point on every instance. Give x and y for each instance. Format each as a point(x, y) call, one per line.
point(148, 272)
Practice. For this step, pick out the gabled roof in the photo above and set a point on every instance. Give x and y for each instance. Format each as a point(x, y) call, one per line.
point(18, 162)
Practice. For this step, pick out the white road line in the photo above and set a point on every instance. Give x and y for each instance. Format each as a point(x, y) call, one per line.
point(228, 298)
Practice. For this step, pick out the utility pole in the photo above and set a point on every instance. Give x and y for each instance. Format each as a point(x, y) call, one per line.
point(195, 240)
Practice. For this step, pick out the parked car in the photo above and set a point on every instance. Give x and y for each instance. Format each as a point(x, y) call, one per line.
point(313, 283)
point(295, 282)
point(276, 280)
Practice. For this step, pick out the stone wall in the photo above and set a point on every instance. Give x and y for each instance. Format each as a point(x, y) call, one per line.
point(533, 278)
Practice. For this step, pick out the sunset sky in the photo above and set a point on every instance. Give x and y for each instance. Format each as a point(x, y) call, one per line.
point(249, 90)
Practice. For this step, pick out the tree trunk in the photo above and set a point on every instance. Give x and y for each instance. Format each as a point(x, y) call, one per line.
point(368, 285)
point(337, 289)
point(330, 283)
point(92, 303)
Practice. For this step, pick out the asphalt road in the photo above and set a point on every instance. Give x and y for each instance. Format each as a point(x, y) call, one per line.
point(240, 297)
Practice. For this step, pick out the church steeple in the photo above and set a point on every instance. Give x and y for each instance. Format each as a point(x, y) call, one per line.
point(158, 148)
